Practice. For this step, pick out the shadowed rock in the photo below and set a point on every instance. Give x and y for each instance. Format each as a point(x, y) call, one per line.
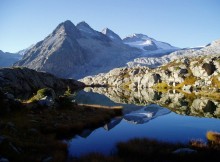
point(209, 68)
point(210, 107)
point(19, 80)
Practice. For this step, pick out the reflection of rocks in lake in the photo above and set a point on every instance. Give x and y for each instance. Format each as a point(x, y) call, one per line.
point(145, 114)
point(205, 107)
point(185, 104)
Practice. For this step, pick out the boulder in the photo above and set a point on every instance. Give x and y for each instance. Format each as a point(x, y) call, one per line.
point(115, 72)
point(187, 88)
point(157, 78)
point(209, 68)
point(183, 71)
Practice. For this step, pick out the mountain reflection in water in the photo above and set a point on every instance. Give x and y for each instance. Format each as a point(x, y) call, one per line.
point(185, 118)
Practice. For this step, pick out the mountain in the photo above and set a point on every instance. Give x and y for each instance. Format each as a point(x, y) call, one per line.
point(8, 59)
point(77, 51)
point(59, 53)
point(145, 114)
point(112, 35)
point(148, 45)
point(24, 51)
point(210, 49)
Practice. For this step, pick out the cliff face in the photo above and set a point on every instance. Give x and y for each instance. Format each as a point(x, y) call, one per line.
point(187, 74)
point(22, 80)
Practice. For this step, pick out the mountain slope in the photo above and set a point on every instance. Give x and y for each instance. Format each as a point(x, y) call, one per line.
point(8, 59)
point(59, 53)
point(112, 35)
point(210, 49)
point(77, 51)
point(148, 45)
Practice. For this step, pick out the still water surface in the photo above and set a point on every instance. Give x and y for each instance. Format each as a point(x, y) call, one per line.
point(150, 121)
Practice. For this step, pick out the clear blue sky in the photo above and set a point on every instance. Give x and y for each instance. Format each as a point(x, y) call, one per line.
point(183, 23)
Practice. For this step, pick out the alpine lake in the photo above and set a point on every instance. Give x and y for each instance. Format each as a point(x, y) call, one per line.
point(172, 116)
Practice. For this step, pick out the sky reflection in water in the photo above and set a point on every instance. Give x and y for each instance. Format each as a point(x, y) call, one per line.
point(164, 125)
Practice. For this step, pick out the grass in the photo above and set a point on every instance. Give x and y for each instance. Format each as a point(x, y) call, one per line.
point(188, 81)
point(213, 137)
point(210, 94)
point(161, 87)
point(142, 149)
point(40, 94)
point(126, 85)
point(68, 92)
point(170, 64)
point(215, 82)
point(36, 133)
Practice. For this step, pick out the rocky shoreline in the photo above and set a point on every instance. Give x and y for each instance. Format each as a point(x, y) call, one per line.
point(187, 74)
point(33, 129)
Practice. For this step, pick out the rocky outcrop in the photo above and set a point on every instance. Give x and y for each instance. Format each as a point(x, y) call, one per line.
point(8, 103)
point(187, 74)
point(18, 80)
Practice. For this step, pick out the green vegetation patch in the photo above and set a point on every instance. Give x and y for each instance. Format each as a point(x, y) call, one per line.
point(215, 81)
point(34, 134)
point(187, 81)
point(142, 149)
point(42, 93)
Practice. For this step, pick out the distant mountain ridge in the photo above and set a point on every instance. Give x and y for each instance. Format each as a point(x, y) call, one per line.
point(147, 44)
point(210, 49)
point(8, 59)
point(77, 51)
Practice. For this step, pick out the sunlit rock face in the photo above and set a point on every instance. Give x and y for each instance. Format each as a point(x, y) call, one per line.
point(77, 51)
point(187, 74)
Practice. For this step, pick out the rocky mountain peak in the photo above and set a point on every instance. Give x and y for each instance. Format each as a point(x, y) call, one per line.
point(215, 43)
point(67, 28)
point(135, 37)
point(112, 35)
point(77, 51)
point(84, 27)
